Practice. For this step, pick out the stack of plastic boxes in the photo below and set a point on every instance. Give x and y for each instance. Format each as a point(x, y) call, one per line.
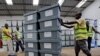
point(30, 34)
point(49, 32)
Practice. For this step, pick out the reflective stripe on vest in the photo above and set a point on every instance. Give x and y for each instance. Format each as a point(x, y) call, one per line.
point(18, 34)
point(90, 32)
point(80, 33)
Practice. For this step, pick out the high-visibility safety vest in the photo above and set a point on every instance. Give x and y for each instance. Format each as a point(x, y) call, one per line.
point(90, 32)
point(19, 35)
point(4, 36)
point(80, 32)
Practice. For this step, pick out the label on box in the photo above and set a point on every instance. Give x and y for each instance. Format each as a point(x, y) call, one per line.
point(20, 23)
point(30, 54)
point(47, 45)
point(30, 27)
point(30, 45)
point(14, 23)
point(30, 17)
point(48, 54)
point(29, 35)
point(47, 34)
point(49, 13)
point(8, 22)
point(47, 23)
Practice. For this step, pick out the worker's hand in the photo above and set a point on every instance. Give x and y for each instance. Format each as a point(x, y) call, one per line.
point(99, 32)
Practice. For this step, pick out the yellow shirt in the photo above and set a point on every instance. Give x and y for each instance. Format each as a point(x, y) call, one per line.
point(5, 37)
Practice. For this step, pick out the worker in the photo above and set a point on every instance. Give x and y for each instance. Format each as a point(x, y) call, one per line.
point(90, 30)
point(80, 32)
point(1, 44)
point(7, 38)
point(18, 37)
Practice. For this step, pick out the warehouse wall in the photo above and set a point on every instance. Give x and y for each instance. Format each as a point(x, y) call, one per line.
point(68, 18)
point(93, 11)
point(4, 18)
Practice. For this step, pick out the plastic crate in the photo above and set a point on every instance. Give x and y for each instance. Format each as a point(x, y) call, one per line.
point(49, 24)
point(67, 43)
point(51, 44)
point(63, 38)
point(72, 42)
point(50, 53)
point(30, 27)
point(31, 35)
point(31, 17)
point(63, 43)
point(93, 44)
point(31, 52)
point(98, 43)
point(30, 44)
point(49, 34)
point(50, 12)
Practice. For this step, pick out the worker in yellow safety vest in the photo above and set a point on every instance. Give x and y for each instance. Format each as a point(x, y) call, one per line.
point(90, 30)
point(6, 36)
point(80, 32)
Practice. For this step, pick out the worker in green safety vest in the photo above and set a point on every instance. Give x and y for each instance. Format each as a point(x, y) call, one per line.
point(80, 31)
point(18, 37)
point(90, 30)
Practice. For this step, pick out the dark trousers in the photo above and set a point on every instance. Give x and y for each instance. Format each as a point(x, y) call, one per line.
point(81, 45)
point(19, 44)
point(89, 42)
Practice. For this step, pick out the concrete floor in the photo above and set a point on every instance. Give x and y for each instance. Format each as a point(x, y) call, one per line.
point(71, 52)
point(68, 51)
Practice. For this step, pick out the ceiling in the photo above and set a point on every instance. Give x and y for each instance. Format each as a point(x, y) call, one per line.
point(21, 7)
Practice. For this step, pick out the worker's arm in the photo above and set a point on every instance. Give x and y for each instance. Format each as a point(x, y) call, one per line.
point(95, 30)
point(7, 34)
point(62, 23)
point(72, 22)
point(68, 26)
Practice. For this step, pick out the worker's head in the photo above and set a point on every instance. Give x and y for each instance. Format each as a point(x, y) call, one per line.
point(6, 26)
point(78, 15)
point(17, 28)
point(87, 23)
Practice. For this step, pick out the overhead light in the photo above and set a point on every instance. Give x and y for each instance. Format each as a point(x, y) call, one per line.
point(60, 2)
point(81, 3)
point(36, 2)
point(9, 2)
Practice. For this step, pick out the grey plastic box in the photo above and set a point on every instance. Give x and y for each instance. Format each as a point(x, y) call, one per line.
point(31, 17)
point(50, 24)
point(50, 12)
point(31, 35)
point(49, 34)
point(50, 44)
point(30, 44)
point(31, 52)
point(68, 43)
point(63, 43)
point(30, 27)
point(50, 53)
point(72, 42)
point(63, 37)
